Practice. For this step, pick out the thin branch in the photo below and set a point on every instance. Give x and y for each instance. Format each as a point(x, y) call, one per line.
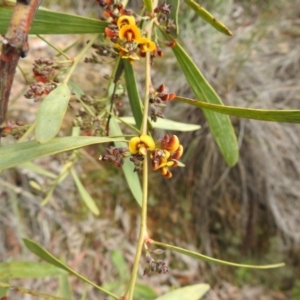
point(15, 45)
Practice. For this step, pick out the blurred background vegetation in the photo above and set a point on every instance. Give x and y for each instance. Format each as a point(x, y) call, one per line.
point(248, 214)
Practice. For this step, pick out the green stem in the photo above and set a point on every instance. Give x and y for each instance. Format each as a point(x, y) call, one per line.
point(78, 58)
point(142, 234)
point(147, 87)
point(27, 133)
point(53, 46)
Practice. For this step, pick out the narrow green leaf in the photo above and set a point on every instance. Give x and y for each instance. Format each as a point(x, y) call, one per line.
point(50, 22)
point(166, 124)
point(51, 113)
point(65, 289)
point(288, 116)
point(133, 94)
point(85, 196)
point(37, 169)
point(128, 167)
point(145, 292)
point(214, 260)
point(148, 5)
point(207, 17)
point(23, 269)
point(192, 292)
point(16, 154)
point(4, 290)
point(45, 255)
point(28, 292)
point(220, 125)
point(120, 264)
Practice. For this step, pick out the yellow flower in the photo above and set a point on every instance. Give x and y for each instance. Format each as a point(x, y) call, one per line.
point(125, 20)
point(140, 144)
point(129, 33)
point(125, 53)
point(146, 44)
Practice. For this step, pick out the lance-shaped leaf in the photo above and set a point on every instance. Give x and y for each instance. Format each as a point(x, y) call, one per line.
point(192, 292)
point(213, 260)
point(220, 125)
point(25, 269)
point(85, 196)
point(51, 113)
point(21, 290)
point(133, 94)
point(45, 255)
point(207, 17)
point(128, 167)
point(16, 154)
point(288, 116)
point(166, 124)
point(50, 22)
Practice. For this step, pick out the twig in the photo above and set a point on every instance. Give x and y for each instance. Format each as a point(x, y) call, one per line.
point(15, 45)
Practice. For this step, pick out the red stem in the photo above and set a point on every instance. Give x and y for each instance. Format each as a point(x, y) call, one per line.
point(15, 45)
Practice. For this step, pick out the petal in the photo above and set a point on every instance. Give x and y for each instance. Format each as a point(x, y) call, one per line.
point(147, 141)
point(146, 44)
point(125, 20)
point(119, 47)
point(177, 154)
point(110, 33)
point(134, 145)
point(129, 33)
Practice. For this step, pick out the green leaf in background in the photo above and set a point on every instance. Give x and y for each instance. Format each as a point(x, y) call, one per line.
point(220, 125)
point(148, 5)
point(37, 169)
point(23, 269)
point(50, 22)
point(85, 196)
point(128, 167)
point(133, 94)
point(51, 113)
point(166, 124)
point(213, 260)
point(120, 264)
point(45, 255)
point(143, 291)
point(192, 292)
point(16, 154)
point(207, 17)
point(28, 292)
point(65, 289)
point(288, 116)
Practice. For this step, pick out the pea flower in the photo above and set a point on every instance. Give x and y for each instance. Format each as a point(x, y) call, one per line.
point(140, 144)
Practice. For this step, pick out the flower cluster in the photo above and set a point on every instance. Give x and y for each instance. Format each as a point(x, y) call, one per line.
point(127, 38)
point(162, 12)
point(46, 72)
point(115, 155)
point(158, 266)
point(157, 100)
point(164, 154)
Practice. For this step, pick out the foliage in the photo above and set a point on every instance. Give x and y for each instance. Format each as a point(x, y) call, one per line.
point(128, 40)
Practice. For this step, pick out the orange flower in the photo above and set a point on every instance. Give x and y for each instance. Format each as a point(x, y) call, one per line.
point(165, 155)
point(129, 33)
point(146, 45)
